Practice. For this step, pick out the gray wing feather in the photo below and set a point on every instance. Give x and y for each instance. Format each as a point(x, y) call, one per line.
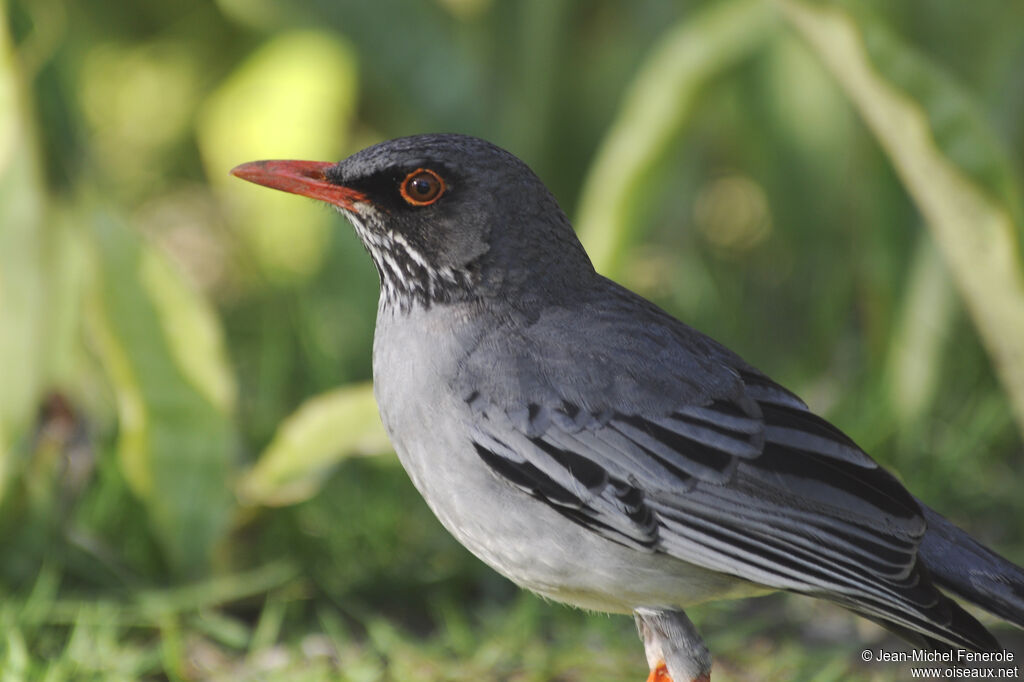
point(660, 439)
point(962, 565)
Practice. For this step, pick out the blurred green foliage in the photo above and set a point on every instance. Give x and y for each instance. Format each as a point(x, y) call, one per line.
point(831, 188)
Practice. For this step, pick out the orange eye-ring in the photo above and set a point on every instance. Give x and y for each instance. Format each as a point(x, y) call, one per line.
point(422, 187)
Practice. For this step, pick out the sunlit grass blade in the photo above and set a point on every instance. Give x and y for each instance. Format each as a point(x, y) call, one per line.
point(22, 254)
point(654, 110)
point(917, 351)
point(323, 431)
point(958, 180)
point(160, 345)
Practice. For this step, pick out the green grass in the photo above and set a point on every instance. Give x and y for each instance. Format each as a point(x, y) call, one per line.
point(371, 588)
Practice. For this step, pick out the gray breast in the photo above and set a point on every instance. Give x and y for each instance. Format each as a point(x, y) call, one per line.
point(416, 357)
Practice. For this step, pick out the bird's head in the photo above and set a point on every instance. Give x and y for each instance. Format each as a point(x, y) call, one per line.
point(444, 217)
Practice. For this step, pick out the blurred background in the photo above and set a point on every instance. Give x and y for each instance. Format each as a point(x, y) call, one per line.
point(193, 480)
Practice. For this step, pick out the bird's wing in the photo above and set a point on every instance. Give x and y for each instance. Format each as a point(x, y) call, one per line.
point(782, 499)
point(747, 482)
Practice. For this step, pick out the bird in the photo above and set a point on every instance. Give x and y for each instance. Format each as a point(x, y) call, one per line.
point(599, 452)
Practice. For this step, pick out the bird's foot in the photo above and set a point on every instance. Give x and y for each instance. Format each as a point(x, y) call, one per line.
point(660, 674)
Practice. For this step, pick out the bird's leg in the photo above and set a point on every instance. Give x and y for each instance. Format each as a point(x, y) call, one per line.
point(674, 648)
point(659, 674)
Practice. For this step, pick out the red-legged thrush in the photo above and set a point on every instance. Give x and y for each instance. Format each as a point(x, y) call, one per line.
point(594, 449)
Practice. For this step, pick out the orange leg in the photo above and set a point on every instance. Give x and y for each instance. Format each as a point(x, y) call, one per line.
point(660, 674)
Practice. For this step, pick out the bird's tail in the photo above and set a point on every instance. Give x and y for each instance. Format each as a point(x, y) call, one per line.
point(961, 565)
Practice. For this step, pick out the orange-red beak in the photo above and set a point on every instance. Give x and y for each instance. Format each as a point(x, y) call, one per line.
point(299, 177)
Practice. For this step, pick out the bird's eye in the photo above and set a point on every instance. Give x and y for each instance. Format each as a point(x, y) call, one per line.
point(422, 187)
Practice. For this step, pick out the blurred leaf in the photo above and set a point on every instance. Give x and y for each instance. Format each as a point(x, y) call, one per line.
point(915, 357)
point(957, 127)
point(654, 110)
point(191, 329)
point(256, 14)
point(971, 222)
point(423, 67)
point(323, 431)
point(810, 109)
point(138, 101)
point(22, 253)
point(161, 348)
point(292, 98)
